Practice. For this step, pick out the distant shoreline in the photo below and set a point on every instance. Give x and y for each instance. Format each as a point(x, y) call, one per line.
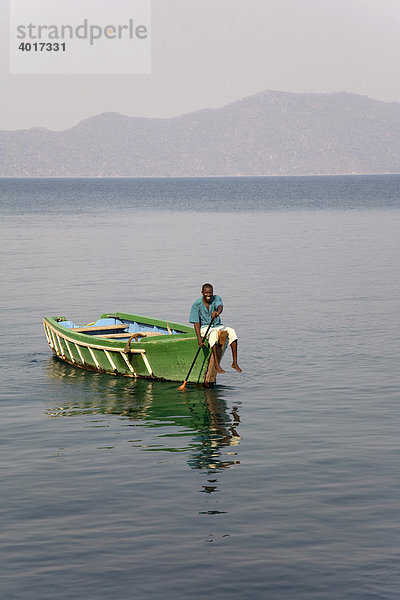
point(209, 177)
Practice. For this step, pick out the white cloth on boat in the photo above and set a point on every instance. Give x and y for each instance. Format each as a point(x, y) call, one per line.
point(212, 336)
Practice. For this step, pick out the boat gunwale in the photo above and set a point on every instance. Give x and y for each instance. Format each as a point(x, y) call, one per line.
point(150, 321)
point(109, 344)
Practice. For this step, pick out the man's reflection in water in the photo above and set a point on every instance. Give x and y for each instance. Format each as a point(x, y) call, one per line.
point(218, 432)
point(200, 414)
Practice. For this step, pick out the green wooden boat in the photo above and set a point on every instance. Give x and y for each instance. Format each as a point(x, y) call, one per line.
point(132, 345)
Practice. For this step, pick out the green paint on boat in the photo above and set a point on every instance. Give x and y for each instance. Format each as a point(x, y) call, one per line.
point(161, 350)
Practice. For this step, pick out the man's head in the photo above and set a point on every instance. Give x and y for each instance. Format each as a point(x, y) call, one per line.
point(207, 292)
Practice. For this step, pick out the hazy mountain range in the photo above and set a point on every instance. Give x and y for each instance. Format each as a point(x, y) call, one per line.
point(271, 133)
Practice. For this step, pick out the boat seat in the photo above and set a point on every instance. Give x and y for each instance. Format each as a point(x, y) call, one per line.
point(99, 328)
point(137, 335)
point(112, 335)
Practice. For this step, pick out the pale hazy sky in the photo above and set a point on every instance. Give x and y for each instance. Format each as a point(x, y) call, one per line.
point(207, 53)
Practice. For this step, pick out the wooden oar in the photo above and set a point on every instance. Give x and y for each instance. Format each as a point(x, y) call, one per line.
point(183, 386)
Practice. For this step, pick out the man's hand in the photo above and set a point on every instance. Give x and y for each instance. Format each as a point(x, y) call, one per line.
point(197, 330)
point(215, 314)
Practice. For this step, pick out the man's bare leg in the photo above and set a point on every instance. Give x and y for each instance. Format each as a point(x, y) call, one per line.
point(216, 361)
point(234, 357)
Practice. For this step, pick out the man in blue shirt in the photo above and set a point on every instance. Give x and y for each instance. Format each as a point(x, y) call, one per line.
point(208, 307)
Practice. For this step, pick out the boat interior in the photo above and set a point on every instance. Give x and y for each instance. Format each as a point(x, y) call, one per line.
point(120, 329)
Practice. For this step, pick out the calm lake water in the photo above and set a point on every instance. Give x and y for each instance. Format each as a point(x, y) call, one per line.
point(279, 483)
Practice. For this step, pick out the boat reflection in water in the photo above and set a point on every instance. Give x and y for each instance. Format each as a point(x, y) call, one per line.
point(196, 421)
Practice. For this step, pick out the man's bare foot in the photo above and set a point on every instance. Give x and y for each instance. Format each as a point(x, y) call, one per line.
point(219, 370)
point(236, 366)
